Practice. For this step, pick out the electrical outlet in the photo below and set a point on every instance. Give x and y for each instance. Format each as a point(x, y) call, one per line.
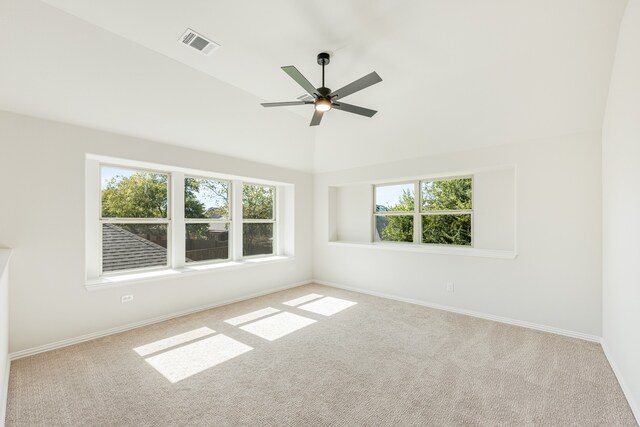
point(126, 298)
point(449, 286)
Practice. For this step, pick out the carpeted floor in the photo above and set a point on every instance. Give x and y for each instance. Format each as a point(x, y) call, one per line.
point(320, 362)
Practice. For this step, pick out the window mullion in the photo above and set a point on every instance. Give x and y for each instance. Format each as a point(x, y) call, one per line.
point(417, 219)
point(236, 219)
point(177, 227)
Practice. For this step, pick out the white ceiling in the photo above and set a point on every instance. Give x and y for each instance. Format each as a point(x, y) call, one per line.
point(457, 74)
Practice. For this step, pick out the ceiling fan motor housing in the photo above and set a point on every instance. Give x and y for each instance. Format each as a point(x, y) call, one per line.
point(324, 92)
point(323, 58)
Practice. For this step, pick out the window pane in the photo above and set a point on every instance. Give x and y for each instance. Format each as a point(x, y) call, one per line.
point(395, 198)
point(394, 228)
point(129, 193)
point(128, 246)
point(452, 194)
point(446, 229)
point(206, 198)
point(257, 202)
point(257, 239)
point(207, 241)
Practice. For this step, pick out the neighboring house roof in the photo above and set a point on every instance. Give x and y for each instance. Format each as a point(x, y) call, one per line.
point(124, 250)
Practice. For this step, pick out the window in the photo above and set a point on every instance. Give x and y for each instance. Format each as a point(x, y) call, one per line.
point(258, 219)
point(207, 219)
point(394, 217)
point(446, 211)
point(134, 219)
point(443, 214)
point(143, 218)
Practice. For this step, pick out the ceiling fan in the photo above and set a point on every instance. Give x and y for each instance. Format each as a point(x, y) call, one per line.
point(323, 98)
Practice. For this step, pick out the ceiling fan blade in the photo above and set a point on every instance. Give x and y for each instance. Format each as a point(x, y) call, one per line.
point(361, 83)
point(300, 79)
point(285, 104)
point(354, 109)
point(317, 116)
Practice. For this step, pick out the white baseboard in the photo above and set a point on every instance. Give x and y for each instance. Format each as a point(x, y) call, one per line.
point(635, 406)
point(4, 393)
point(500, 319)
point(118, 329)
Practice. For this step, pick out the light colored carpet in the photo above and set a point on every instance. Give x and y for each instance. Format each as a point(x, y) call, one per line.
point(374, 363)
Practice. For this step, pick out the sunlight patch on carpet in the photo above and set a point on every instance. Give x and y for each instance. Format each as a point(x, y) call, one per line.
point(302, 300)
point(327, 306)
point(274, 327)
point(183, 362)
point(173, 341)
point(251, 316)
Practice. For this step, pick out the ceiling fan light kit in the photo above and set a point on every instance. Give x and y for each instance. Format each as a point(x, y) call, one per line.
point(322, 98)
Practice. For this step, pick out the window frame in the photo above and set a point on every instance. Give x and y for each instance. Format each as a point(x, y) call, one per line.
point(273, 220)
point(418, 211)
point(283, 217)
point(229, 220)
point(102, 220)
point(394, 213)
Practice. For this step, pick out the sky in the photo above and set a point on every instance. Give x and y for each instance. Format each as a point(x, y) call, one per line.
point(109, 172)
point(389, 195)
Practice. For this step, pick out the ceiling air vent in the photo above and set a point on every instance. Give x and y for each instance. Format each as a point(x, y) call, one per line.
point(198, 42)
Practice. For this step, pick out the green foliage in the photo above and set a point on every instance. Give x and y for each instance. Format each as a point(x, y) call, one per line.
point(447, 229)
point(141, 195)
point(398, 228)
point(193, 208)
point(144, 195)
point(452, 194)
point(257, 203)
point(217, 191)
point(405, 202)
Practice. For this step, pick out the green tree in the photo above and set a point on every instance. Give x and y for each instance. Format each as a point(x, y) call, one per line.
point(196, 189)
point(449, 229)
point(257, 203)
point(398, 228)
point(144, 195)
point(450, 195)
point(141, 195)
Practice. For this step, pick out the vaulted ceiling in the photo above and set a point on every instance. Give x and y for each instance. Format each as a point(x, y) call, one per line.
point(457, 74)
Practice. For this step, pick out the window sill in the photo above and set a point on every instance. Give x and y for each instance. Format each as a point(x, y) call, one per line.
point(430, 249)
point(107, 282)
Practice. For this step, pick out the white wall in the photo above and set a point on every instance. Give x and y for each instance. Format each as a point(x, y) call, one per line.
point(42, 167)
point(4, 331)
point(554, 281)
point(621, 204)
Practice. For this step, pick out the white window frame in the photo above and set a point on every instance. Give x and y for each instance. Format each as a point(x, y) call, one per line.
point(209, 221)
point(273, 221)
point(394, 213)
point(283, 236)
point(102, 220)
point(418, 212)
